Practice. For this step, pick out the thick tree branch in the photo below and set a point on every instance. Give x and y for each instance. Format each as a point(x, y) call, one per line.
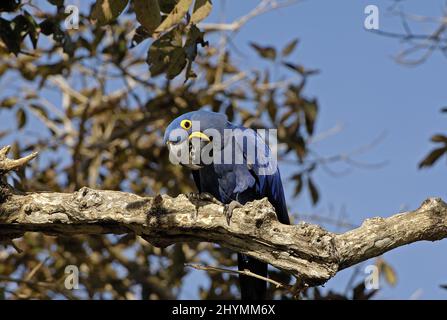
point(307, 251)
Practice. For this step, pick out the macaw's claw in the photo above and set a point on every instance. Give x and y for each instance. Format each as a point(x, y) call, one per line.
point(228, 209)
point(196, 198)
point(203, 196)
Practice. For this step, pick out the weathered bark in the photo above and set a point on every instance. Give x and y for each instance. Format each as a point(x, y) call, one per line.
point(307, 251)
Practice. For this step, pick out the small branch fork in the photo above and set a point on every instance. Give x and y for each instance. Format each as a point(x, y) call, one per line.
point(418, 47)
point(263, 7)
point(308, 252)
point(7, 165)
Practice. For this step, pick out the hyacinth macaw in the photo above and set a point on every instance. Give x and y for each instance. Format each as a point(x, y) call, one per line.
point(232, 183)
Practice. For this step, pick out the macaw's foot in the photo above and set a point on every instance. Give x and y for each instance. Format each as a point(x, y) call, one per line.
point(228, 209)
point(203, 196)
point(196, 198)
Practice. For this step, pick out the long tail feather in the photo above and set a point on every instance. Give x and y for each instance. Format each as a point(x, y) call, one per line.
point(252, 288)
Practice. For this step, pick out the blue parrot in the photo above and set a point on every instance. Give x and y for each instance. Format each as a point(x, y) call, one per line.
point(197, 134)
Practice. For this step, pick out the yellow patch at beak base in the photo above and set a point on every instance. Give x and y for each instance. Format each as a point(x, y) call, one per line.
point(200, 135)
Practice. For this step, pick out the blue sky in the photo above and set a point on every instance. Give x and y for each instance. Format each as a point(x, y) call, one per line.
point(363, 88)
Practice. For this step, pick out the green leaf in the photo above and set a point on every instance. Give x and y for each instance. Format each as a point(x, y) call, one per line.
point(23, 25)
point(3, 68)
point(140, 35)
point(310, 115)
point(21, 118)
point(360, 293)
point(390, 274)
point(265, 52)
point(432, 157)
point(32, 29)
point(387, 271)
point(167, 53)
point(178, 63)
point(202, 8)
point(300, 69)
point(298, 178)
point(47, 27)
point(313, 191)
point(272, 108)
point(229, 111)
point(105, 11)
point(194, 37)
point(175, 16)
point(295, 67)
point(9, 36)
point(288, 49)
point(148, 14)
point(8, 102)
point(300, 146)
point(167, 6)
point(39, 109)
point(9, 5)
point(439, 138)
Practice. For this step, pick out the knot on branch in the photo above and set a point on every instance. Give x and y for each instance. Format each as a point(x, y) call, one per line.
point(261, 211)
point(433, 204)
point(7, 165)
point(157, 208)
point(316, 235)
point(87, 198)
point(372, 221)
point(5, 192)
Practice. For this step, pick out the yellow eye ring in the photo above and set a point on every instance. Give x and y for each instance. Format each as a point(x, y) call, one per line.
point(186, 124)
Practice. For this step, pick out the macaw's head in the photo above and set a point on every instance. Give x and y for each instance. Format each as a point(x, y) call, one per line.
point(192, 137)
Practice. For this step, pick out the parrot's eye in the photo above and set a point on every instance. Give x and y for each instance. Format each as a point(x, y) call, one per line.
point(186, 124)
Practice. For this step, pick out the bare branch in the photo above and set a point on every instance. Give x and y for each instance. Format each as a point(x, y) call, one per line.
point(277, 284)
point(263, 7)
point(379, 235)
point(418, 47)
point(7, 165)
point(310, 253)
point(307, 251)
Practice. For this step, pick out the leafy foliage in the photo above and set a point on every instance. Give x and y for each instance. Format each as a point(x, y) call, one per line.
point(157, 18)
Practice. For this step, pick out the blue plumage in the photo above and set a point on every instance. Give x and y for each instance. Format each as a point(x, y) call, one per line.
point(241, 182)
